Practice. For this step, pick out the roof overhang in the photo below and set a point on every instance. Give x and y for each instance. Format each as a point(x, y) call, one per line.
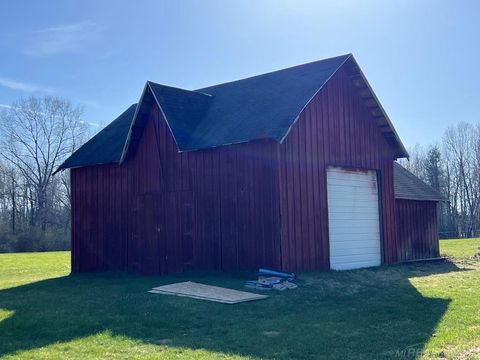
point(374, 106)
point(147, 91)
point(132, 125)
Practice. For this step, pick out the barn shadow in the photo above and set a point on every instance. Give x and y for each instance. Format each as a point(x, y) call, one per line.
point(357, 314)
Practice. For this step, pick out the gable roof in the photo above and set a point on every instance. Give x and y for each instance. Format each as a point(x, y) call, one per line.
point(408, 186)
point(263, 106)
point(183, 109)
point(260, 107)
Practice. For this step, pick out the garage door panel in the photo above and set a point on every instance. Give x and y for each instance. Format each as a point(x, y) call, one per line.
point(360, 199)
point(353, 265)
point(339, 173)
point(357, 252)
point(368, 242)
point(346, 238)
point(353, 219)
point(356, 183)
point(356, 244)
point(349, 209)
point(358, 215)
point(356, 186)
point(356, 256)
point(354, 180)
point(362, 225)
point(346, 195)
point(352, 231)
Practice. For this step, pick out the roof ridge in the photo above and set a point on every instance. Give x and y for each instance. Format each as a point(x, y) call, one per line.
point(275, 71)
point(207, 98)
point(178, 88)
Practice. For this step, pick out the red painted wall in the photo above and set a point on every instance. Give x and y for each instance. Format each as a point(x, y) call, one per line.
point(337, 129)
point(163, 211)
point(417, 230)
point(235, 207)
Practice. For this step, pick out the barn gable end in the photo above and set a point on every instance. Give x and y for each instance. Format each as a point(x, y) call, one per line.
point(335, 129)
point(162, 211)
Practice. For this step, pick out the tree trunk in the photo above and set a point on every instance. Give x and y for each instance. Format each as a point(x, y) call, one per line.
point(14, 205)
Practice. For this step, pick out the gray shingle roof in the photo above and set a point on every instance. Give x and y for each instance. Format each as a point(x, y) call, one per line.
point(106, 146)
point(408, 186)
point(263, 106)
point(183, 109)
point(259, 107)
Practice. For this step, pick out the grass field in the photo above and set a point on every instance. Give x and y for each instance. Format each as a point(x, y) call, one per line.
point(460, 248)
point(423, 310)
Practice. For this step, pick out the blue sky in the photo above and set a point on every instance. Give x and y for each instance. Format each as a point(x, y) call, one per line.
point(421, 57)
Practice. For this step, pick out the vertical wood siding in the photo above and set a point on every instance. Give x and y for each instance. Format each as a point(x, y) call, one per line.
point(164, 212)
point(233, 207)
point(417, 230)
point(334, 129)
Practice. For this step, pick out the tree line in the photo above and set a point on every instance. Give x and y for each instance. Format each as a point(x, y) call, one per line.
point(36, 135)
point(452, 167)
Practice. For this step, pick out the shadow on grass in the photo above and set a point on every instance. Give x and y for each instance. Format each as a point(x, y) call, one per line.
point(371, 313)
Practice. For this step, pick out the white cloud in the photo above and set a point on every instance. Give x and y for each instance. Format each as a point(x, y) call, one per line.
point(90, 103)
point(68, 38)
point(94, 124)
point(23, 86)
point(67, 28)
point(5, 106)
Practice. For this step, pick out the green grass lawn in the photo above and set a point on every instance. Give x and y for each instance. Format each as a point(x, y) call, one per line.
point(460, 248)
point(420, 310)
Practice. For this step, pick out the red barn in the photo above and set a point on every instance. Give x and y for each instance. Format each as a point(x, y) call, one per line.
point(292, 169)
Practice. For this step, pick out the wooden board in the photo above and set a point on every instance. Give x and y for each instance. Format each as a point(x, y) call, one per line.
point(207, 292)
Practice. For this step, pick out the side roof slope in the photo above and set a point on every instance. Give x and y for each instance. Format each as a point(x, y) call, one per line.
point(106, 146)
point(263, 106)
point(408, 186)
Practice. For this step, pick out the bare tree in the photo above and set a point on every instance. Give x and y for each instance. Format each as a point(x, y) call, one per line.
point(461, 144)
point(36, 136)
point(416, 162)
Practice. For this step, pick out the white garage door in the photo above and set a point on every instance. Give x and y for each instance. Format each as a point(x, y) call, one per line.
point(353, 219)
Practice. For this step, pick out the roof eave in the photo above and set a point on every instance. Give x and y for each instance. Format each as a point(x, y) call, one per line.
point(164, 116)
point(403, 153)
point(412, 198)
point(127, 141)
point(142, 97)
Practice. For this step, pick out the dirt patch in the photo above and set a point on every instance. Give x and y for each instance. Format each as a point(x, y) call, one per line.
point(476, 256)
point(472, 354)
point(471, 261)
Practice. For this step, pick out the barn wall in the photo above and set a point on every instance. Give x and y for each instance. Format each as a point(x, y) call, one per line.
point(163, 211)
point(334, 129)
point(417, 230)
